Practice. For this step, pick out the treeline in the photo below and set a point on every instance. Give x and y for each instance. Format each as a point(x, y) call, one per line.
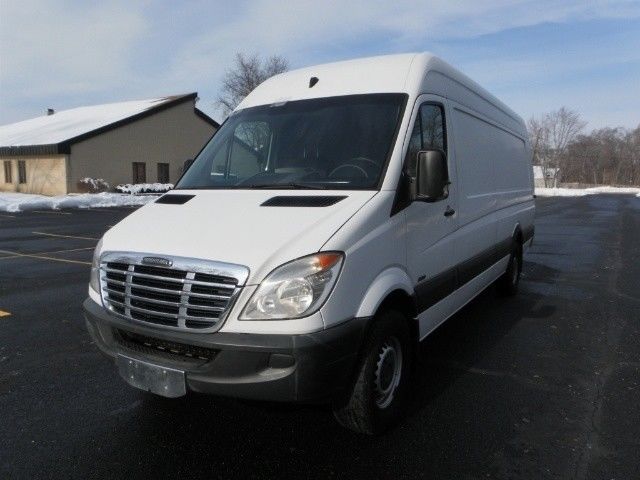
point(607, 156)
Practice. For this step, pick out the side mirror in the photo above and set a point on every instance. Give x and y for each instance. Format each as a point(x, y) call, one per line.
point(432, 178)
point(187, 164)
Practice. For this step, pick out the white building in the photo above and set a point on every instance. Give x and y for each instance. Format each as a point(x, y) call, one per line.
point(552, 176)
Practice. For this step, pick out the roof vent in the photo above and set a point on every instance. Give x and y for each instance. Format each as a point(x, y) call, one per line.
point(50, 111)
point(174, 199)
point(313, 81)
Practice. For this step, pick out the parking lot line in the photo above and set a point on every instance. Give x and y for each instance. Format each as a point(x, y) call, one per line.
point(4, 314)
point(105, 210)
point(41, 257)
point(14, 255)
point(64, 236)
point(64, 251)
point(51, 212)
point(8, 216)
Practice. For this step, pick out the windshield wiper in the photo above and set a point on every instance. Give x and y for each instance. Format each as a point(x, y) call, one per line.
point(285, 186)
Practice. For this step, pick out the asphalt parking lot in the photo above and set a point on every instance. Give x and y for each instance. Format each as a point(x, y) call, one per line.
point(543, 385)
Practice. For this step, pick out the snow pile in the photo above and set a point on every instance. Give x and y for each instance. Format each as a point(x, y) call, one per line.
point(136, 188)
point(94, 184)
point(579, 192)
point(19, 202)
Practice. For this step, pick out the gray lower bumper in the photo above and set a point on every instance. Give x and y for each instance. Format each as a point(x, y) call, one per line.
point(294, 368)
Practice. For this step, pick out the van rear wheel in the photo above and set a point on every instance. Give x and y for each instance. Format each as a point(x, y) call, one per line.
point(375, 401)
point(508, 283)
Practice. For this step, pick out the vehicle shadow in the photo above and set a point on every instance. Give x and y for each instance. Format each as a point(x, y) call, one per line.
point(463, 340)
point(201, 436)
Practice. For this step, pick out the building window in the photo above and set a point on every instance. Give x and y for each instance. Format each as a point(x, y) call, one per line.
point(7, 172)
point(22, 171)
point(163, 173)
point(139, 172)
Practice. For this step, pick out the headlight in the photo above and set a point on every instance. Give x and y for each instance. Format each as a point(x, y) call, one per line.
point(295, 289)
point(94, 280)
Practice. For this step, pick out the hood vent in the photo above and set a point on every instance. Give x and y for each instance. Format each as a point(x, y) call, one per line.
point(174, 199)
point(303, 201)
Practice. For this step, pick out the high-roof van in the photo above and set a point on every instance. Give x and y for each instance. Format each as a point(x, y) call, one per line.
point(338, 216)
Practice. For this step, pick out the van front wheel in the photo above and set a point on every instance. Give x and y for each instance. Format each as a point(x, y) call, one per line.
point(375, 402)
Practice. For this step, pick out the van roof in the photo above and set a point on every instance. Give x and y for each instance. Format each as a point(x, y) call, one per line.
point(401, 73)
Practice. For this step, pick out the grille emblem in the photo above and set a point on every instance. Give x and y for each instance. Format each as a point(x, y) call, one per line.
point(158, 261)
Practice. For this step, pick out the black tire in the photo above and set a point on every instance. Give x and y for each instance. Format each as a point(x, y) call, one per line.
point(371, 408)
point(508, 283)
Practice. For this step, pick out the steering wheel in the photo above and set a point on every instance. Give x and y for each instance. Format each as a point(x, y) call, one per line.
point(355, 167)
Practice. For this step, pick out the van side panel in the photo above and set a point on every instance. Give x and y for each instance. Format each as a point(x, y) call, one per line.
point(475, 146)
point(510, 163)
point(494, 170)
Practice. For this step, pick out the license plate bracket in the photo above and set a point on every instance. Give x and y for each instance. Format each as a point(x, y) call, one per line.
point(164, 381)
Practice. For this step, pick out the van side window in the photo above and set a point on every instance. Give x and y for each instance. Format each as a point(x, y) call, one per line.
point(433, 130)
point(428, 133)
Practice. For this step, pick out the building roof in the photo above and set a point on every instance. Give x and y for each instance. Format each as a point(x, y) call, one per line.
point(52, 134)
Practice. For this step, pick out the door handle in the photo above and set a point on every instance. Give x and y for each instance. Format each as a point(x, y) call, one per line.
point(449, 211)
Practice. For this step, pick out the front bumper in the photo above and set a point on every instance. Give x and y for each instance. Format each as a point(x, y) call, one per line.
point(315, 367)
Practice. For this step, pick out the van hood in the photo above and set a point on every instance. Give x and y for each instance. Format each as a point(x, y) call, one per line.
point(233, 226)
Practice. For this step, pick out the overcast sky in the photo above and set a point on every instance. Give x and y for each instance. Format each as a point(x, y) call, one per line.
point(534, 55)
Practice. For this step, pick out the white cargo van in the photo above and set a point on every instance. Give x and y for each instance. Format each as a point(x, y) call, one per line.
point(338, 216)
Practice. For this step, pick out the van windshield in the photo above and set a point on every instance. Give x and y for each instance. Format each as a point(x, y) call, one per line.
point(327, 143)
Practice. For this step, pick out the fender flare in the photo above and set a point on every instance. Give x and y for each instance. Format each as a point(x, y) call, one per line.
point(387, 281)
point(516, 229)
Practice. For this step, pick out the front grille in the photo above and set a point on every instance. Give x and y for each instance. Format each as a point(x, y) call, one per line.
point(190, 295)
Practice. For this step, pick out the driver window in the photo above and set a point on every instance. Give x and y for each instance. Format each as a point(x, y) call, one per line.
point(428, 133)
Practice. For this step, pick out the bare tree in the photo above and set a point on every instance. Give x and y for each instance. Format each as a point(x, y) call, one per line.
point(538, 138)
point(609, 156)
point(247, 73)
point(550, 137)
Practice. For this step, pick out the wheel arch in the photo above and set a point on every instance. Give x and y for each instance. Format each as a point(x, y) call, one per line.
point(391, 290)
point(517, 233)
point(393, 284)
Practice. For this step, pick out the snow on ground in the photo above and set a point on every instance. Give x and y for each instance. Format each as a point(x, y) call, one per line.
point(144, 187)
point(19, 202)
point(579, 192)
point(95, 184)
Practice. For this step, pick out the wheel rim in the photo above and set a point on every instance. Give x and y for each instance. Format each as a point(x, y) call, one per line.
point(388, 372)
